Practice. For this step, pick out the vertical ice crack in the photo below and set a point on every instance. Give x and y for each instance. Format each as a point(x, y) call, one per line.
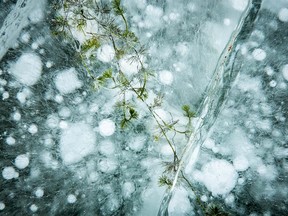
point(216, 94)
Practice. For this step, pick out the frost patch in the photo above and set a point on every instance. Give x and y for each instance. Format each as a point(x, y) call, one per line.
point(27, 69)
point(218, 176)
point(76, 142)
point(67, 81)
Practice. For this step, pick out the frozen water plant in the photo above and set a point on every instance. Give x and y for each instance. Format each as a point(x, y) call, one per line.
point(99, 29)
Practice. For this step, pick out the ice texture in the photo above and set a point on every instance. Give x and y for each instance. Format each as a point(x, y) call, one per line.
point(63, 151)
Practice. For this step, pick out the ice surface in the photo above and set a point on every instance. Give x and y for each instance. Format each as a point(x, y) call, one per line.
point(51, 161)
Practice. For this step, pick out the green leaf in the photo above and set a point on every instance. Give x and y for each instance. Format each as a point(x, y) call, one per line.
point(165, 181)
point(116, 5)
point(187, 112)
point(92, 43)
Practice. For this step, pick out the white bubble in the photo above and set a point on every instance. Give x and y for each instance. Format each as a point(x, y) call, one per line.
point(204, 198)
point(9, 173)
point(283, 15)
point(285, 72)
point(33, 208)
point(227, 21)
point(27, 69)
point(219, 177)
point(130, 65)
point(2, 206)
point(272, 83)
point(63, 124)
point(67, 81)
point(166, 77)
point(107, 165)
point(10, 140)
point(71, 198)
point(39, 192)
point(33, 129)
point(106, 53)
point(106, 127)
point(241, 163)
point(76, 142)
point(22, 161)
point(5, 95)
point(49, 64)
point(259, 54)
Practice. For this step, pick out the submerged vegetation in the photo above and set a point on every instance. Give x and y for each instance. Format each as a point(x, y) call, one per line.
point(101, 28)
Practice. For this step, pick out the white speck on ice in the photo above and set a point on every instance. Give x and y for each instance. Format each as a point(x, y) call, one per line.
point(59, 98)
point(63, 124)
point(2, 206)
point(241, 163)
point(137, 143)
point(33, 129)
point(130, 66)
point(10, 140)
point(52, 121)
point(39, 192)
point(106, 127)
point(285, 72)
point(283, 15)
point(107, 147)
point(227, 21)
point(64, 112)
point(127, 189)
point(49, 64)
point(22, 161)
point(25, 37)
point(23, 95)
point(67, 81)
point(272, 83)
point(35, 46)
point(33, 208)
point(166, 77)
point(71, 198)
point(218, 176)
point(5, 95)
point(16, 116)
point(9, 173)
point(106, 53)
point(259, 54)
point(239, 5)
point(204, 198)
point(107, 165)
point(27, 69)
point(76, 142)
